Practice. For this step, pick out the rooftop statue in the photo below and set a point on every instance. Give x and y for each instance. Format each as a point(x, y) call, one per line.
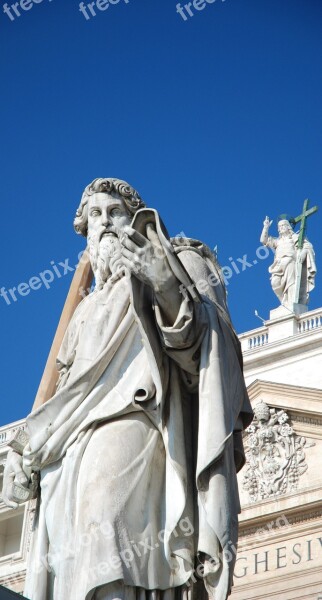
point(138, 448)
point(293, 270)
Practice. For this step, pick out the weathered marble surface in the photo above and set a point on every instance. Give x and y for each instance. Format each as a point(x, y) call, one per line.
point(138, 448)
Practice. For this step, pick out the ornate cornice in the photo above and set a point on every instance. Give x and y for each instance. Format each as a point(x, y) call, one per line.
point(278, 524)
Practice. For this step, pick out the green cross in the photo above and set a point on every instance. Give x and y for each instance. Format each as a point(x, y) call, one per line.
point(302, 219)
point(307, 212)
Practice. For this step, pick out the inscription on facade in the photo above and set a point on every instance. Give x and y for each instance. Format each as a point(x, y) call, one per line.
point(287, 555)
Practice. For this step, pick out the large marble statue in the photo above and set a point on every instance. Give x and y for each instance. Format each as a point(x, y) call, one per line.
point(138, 449)
point(292, 264)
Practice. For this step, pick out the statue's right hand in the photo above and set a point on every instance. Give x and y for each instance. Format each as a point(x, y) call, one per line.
point(13, 473)
point(267, 223)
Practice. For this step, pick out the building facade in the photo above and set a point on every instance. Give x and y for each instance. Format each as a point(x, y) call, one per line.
point(15, 526)
point(280, 542)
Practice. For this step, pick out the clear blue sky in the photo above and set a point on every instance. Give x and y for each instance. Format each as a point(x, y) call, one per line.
point(216, 120)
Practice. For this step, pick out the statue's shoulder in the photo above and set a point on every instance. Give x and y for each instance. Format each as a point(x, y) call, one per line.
point(272, 242)
point(181, 244)
point(306, 243)
point(203, 267)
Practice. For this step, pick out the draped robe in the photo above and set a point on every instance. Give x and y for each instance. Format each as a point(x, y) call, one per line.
point(284, 268)
point(136, 448)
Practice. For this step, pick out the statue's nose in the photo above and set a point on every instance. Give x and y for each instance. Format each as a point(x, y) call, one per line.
point(106, 220)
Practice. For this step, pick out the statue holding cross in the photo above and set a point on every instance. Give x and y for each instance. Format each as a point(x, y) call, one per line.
point(293, 270)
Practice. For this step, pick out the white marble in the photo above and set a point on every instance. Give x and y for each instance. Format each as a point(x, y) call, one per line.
point(290, 262)
point(286, 350)
point(149, 351)
point(280, 542)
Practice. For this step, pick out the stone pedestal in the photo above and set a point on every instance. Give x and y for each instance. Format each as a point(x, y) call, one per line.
point(296, 309)
point(282, 324)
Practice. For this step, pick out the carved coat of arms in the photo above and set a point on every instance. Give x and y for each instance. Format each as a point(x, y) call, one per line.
point(275, 457)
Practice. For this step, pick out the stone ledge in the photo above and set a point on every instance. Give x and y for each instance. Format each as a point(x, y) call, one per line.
point(303, 340)
point(308, 499)
point(291, 586)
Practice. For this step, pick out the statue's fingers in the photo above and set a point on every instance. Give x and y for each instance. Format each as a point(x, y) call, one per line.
point(127, 263)
point(135, 236)
point(129, 254)
point(129, 244)
point(8, 480)
point(131, 265)
point(8, 502)
point(152, 234)
point(22, 478)
point(20, 475)
point(131, 257)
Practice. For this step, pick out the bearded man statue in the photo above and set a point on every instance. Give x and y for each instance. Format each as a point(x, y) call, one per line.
point(138, 449)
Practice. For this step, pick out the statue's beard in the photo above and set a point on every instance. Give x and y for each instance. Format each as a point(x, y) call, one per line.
point(286, 234)
point(105, 255)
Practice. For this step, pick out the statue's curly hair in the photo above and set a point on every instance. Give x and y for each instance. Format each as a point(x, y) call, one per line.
point(131, 198)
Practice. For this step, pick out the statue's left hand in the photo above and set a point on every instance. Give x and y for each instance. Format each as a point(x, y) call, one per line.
point(13, 473)
point(146, 259)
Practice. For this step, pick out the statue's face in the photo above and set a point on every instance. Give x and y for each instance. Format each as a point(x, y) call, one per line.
point(283, 227)
point(107, 215)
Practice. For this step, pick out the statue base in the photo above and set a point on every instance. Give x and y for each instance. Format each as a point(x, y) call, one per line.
point(284, 311)
point(283, 321)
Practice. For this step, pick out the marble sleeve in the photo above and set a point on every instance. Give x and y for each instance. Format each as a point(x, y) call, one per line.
point(182, 340)
point(271, 242)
